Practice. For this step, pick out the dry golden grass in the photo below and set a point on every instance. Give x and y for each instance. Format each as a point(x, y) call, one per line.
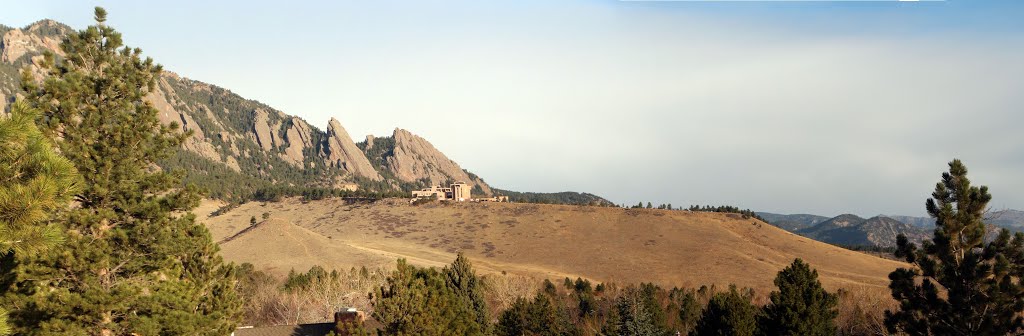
point(670, 248)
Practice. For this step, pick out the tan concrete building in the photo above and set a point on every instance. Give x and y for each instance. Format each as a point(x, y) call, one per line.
point(458, 191)
point(492, 199)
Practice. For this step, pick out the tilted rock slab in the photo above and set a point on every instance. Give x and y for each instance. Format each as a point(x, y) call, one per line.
point(415, 158)
point(341, 152)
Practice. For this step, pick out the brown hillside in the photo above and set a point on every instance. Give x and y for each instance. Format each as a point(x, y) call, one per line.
point(673, 248)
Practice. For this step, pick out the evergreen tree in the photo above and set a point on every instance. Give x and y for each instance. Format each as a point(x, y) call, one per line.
point(689, 311)
point(512, 321)
point(612, 323)
point(800, 306)
point(349, 328)
point(417, 301)
point(461, 278)
point(960, 285)
point(35, 183)
point(635, 315)
point(538, 317)
point(135, 259)
point(549, 288)
point(728, 313)
point(649, 295)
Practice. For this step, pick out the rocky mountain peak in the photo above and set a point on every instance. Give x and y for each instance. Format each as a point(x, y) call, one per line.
point(414, 158)
point(853, 230)
point(341, 152)
point(257, 143)
point(17, 43)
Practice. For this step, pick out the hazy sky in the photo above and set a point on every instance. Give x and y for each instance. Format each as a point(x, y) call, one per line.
point(792, 107)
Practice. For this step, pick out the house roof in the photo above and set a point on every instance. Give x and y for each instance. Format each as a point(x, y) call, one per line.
point(313, 329)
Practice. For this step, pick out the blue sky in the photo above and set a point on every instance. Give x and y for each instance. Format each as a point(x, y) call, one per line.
point(820, 107)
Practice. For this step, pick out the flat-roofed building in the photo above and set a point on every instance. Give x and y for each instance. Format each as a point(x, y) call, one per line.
point(458, 191)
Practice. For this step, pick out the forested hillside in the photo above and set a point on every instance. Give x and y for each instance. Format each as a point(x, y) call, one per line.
point(241, 149)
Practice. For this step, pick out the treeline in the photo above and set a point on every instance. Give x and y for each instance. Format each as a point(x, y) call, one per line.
point(747, 213)
point(650, 206)
point(454, 300)
point(565, 197)
point(276, 193)
point(889, 250)
point(220, 182)
point(800, 306)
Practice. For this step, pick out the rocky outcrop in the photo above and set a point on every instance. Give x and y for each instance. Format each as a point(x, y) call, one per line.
point(299, 137)
point(17, 43)
point(163, 99)
point(415, 158)
point(261, 127)
point(248, 136)
point(369, 141)
point(343, 153)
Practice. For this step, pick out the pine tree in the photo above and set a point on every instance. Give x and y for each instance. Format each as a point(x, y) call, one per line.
point(35, 183)
point(635, 315)
point(960, 285)
point(728, 313)
point(512, 321)
point(135, 260)
point(800, 306)
point(417, 301)
point(349, 328)
point(689, 311)
point(463, 281)
point(537, 317)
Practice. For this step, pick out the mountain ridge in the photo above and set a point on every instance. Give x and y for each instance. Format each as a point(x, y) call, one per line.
point(852, 230)
point(241, 146)
point(792, 222)
point(881, 230)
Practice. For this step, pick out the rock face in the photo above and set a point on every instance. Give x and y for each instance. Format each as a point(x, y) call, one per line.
point(246, 136)
point(342, 153)
point(414, 158)
point(262, 129)
point(19, 47)
point(369, 142)
point(298, 138)
point(20, 42)
point(164, 99)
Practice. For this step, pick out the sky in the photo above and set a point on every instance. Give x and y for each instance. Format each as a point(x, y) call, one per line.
point(789, 107)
